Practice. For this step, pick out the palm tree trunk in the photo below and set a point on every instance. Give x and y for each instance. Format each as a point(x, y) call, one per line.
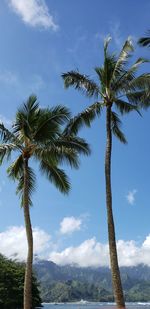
point(116, 280)
point(28, 270)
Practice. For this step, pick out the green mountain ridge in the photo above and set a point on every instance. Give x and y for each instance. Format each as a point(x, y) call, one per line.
point(72, 283)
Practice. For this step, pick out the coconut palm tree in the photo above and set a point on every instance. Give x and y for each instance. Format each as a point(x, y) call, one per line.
point(38, 133)
point(145, 41)
point(117, 87)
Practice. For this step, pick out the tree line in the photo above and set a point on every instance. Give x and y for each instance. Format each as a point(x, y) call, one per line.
point(12, 285)
point(50, 135)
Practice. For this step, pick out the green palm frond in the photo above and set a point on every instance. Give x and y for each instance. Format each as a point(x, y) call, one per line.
point(145, 41)
point(5, 151)
point(83, 118)
point(125, 107)
point(141, 82)
point(127, 76)
point(15, 170)
point(138, 62)
point(106, 43)
point(81, 82)
point(26, 118)
point(31, 185)
point(7, 136)
point(58, 155)
point(115, 126)
point(55, 175)
point(140, 98)
point(105, 73)
point(49, 123)
point(74, 142)
point(124, 55)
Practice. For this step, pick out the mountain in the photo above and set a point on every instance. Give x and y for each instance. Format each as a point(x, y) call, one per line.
point(72, 283)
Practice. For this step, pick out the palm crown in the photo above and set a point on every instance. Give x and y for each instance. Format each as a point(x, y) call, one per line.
point(118, 86)
point(39, 133)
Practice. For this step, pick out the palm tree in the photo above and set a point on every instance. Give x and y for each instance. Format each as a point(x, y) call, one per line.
point(38, 133)
point(117, 87)
point(145, 41)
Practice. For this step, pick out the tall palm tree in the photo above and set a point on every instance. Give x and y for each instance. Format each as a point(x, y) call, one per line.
point(38, 133)
point(119, 88)
point(145, 41)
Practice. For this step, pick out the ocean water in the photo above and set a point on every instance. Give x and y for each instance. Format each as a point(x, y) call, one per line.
point(94, 306)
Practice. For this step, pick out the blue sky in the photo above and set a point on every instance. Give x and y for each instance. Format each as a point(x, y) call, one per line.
point(40, 40)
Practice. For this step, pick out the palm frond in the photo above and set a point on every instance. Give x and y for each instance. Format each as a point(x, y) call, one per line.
point(26, 118)
point(105, 72)
point(140, 98)
point(15, 170)
point(106, 43)
point(127, 76)
point(6, 150)
point(58, 155)
point(31, 185)
point(141, 82)
point(125, 107)
point(115, 126)
point(74, 142)
point(6, 135)
point(49, 122)
point(83, 118)
point(124, 55)
point(145, 41)
point(55, 175)
point(81, 82)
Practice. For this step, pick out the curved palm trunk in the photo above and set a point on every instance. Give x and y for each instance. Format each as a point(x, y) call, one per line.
point(116, 280)
point(28, 270)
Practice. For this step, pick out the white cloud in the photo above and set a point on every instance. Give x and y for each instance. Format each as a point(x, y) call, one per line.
point(2, 183)
point(116, 34)
point(7, 122)
point(131, 196)
point(34, 13)
point(89, 253)
point(70, 224)
point(8, 77)
point(36, 83)
point(13, 242)
point(32, 84)
point(92, 253)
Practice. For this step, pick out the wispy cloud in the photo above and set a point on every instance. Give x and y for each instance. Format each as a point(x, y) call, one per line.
point(77, 44)
point(2, 184)
point(8, 77)
point(34, 13)
point(36, 83)
point(131, 196)
point(115, 32)
point(33, 84)
point(7, 122)
point(70, 224)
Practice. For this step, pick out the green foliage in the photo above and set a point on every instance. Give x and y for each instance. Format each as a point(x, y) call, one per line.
point(145, 41)
point(11, 285)
point(118, 86)
point(70, 291)
point(40, 133)
point(68, 283)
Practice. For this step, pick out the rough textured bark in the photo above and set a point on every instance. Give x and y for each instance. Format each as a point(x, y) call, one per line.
point(116, 280)
point(28, 270)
